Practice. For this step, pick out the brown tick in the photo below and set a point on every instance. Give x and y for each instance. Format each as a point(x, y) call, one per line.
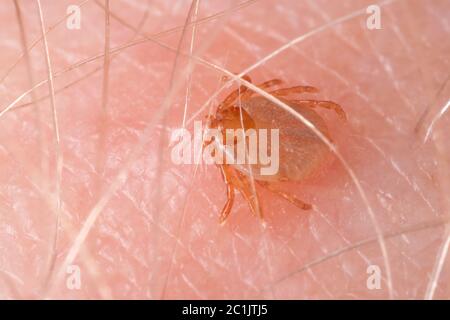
point(301, 152)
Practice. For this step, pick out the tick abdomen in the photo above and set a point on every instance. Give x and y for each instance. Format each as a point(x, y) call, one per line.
point(301, 152)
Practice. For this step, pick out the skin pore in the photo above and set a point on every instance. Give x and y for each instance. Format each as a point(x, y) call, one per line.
point(88, 151)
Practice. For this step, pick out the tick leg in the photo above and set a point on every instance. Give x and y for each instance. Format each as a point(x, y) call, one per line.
point(295, 201)
point(270, 83)
point(323, 104)
point(250, 195)
point(296, 89)
point(231, 98)
point(227, 178)
point(228, 205)
point(235, 180)
point(263, 86)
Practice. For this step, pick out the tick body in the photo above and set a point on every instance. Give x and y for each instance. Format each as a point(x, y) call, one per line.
point(301, 152)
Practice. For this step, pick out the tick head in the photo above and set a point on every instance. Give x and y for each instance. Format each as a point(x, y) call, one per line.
point(212, 121)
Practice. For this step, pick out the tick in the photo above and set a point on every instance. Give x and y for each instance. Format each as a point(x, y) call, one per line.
point(301, 152)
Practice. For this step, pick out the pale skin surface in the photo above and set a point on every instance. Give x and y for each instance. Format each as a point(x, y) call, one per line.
point(156, 234)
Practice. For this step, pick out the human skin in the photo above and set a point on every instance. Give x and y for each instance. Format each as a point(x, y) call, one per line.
point(153, 233)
